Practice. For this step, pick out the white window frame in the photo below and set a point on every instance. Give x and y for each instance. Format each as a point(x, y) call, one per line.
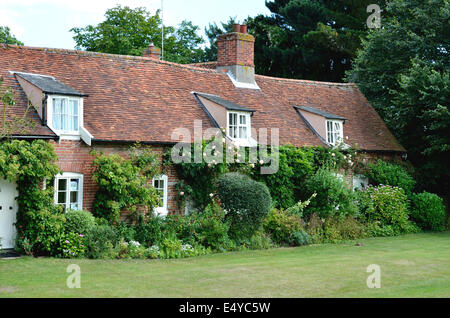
point(336, 136)
point(66, 134)
point(162, 211)
point(68, 176)
point(360, 182)
point(238, 125)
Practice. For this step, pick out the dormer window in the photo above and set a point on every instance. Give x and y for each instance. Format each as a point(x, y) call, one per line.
point(65, 114)
point(238, 125)
point(335, 132)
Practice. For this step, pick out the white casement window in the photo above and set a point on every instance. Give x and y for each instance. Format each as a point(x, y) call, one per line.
point(360, 182)
point(65, 115)
point(238, 125)
point(69, 190)
point(161, 185)
point(335, 132)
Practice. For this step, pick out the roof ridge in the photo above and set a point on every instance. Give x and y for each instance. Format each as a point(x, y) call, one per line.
point(311, 82)
point(107, 55)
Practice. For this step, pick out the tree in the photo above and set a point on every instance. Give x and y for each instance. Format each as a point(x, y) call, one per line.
point(403, 70)
point(212, 32)
point(129, 31)
point(308, 39)
point(6, 37)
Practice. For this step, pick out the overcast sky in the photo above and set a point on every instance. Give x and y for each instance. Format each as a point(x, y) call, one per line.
point(46, 23)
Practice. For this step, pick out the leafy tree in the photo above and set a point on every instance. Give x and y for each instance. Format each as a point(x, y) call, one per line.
point(403, 69)
point(7, 38)
point(212, 32)
point(129, 31)
point(308, 39)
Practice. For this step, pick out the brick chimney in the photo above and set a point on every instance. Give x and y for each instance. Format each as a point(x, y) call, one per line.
point(235, 54)
point(152, 52)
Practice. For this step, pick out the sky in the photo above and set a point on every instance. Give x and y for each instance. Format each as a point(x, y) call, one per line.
point(46, 23)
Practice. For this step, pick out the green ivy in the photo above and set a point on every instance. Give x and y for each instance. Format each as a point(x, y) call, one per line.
point(125, 183)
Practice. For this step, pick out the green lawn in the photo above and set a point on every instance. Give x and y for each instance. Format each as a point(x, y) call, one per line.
point(411, 266)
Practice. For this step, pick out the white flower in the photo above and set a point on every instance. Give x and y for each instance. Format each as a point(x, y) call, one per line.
point(211, 195)
point(252, 165)
point(345, 157)
point(213, 147)
point(333, 154)
point(237, 160)
point(261, 162)
point(181, 193)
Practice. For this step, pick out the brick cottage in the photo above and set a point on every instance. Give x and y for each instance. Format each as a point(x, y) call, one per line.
point(85, 100)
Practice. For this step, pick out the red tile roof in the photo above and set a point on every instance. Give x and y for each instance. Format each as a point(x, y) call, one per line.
point(138, 98)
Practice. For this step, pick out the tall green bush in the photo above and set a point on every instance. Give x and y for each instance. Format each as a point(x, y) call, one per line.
point(385, 173)
point(246, 203)
point(334, 196)
point(387, 207)
point(428, 210)
point(78, 221)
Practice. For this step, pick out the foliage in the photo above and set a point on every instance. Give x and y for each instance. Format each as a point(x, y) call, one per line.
point(387, 206)
point(281, 225)
point(124, 183)
point(309, 39)
point(334, 229)
point(12, 124)
point(71, 245)
point(211, 228)
point(129, 31)
point(384, 173)
point(245, 201)
point(149, 231)
point(100, 242)
point(260, 241)
point(411, 91)
point(428, 211)
point(39, 222)
point(299, 207)
point(79, 222)
point(300, 238)
point(44, 231)
point(334, 196)
point(7, 38)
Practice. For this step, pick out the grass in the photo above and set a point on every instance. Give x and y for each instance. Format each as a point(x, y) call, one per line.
point(411, 266)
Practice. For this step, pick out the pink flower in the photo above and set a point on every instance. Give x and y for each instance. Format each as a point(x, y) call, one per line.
point(67, 242)
point(81, 235)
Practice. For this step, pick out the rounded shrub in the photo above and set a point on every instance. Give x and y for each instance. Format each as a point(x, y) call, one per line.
point(79, 221)
point(334, 196)
point(246, 203)
point(428, 210)
point(100, 242)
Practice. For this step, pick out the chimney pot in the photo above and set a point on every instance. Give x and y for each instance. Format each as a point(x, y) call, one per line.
point(244, 28)
point(236, 27)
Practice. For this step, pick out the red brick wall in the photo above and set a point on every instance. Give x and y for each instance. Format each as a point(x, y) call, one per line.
point(235, 49)
point(74, 157)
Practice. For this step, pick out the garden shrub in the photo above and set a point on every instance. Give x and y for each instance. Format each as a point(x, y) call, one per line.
point(300, 238)
point(280, 225)
point(211, 229)
point(149, 231)
point(79, 221)
point(260, 241)
point(246, 203)
point(125, 231)
point(72, 245)
point(334, 196)
point(386, 206)
point(314, 228)
point(124, 184)
point(100, 242)
point(385, 173)
point(43, 232)
point(428, 210)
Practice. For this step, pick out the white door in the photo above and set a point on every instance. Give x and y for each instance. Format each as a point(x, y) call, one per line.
point(8, 211)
